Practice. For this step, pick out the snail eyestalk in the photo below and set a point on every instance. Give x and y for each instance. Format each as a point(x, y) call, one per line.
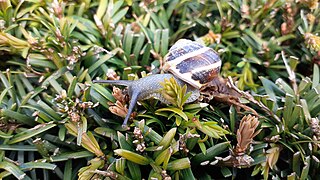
point(115, 82)
point(133, 102)
point(134, 97)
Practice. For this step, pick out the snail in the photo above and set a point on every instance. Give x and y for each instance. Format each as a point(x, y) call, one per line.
point(188, 62)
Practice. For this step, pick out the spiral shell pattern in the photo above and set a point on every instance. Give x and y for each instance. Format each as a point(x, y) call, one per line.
point(192, 62)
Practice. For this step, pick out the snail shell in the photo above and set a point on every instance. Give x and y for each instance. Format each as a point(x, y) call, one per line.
point(192, 62)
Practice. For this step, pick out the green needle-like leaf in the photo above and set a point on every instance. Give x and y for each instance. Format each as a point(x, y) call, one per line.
point(133, 157)
point(30, 133)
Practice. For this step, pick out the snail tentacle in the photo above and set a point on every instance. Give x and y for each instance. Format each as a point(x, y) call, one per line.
point(115, 82)
point(133, 102)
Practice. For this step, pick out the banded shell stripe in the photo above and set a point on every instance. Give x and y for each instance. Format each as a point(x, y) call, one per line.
point(181, 48)
point(215, 65)
point(201, 60)
point(205, 76)
point(179, 59)
point(200, 76)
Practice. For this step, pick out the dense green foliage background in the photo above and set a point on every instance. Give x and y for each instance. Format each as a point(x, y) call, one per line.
point(55, 123)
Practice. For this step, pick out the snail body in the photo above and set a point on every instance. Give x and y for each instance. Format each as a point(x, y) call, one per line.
point(188, 62)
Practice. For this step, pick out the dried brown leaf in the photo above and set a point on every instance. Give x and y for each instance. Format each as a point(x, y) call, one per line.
point(246, 133)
